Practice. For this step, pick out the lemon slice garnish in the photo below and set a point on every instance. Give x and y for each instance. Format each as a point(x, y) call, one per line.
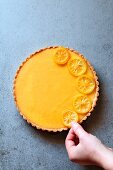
point(77, 67)
point(85, 84)
point(62, 56)
point(69, 116)
point(82, 104)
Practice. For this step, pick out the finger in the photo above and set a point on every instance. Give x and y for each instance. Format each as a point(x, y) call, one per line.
point(78, 130)
point(71, 135)
point(69, 142)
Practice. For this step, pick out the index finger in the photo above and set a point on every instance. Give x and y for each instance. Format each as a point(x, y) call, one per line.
point(69, 142)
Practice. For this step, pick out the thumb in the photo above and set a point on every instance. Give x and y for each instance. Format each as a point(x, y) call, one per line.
point(78, 130)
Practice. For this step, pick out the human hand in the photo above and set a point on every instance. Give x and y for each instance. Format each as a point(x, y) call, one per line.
point(86, 149)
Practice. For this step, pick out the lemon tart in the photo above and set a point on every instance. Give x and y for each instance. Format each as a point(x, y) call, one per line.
point(54, 87)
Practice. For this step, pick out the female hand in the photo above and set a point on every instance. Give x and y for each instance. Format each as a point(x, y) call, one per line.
point(86, 149)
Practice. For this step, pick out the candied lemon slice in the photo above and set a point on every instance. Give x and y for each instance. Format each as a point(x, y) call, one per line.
point(85, 84)
point(62, 56)
point(77, 67)
point(82, 104)
point(69, 116)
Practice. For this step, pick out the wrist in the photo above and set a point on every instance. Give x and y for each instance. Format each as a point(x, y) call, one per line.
point(105, 159)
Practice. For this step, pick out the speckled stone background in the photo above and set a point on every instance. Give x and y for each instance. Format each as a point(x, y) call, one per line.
point(26, 26)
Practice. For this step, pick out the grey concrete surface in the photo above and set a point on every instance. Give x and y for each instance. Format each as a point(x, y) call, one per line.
point(26, 26)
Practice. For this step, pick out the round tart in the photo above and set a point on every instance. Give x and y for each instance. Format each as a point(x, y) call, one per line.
point(55, 86)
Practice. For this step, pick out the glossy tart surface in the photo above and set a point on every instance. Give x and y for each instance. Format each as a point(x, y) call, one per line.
point(54, 83)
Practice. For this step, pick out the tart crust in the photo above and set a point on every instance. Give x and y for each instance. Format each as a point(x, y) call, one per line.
point(94, 100)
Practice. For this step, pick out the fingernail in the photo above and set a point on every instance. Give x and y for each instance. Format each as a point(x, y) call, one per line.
point(74, 124)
